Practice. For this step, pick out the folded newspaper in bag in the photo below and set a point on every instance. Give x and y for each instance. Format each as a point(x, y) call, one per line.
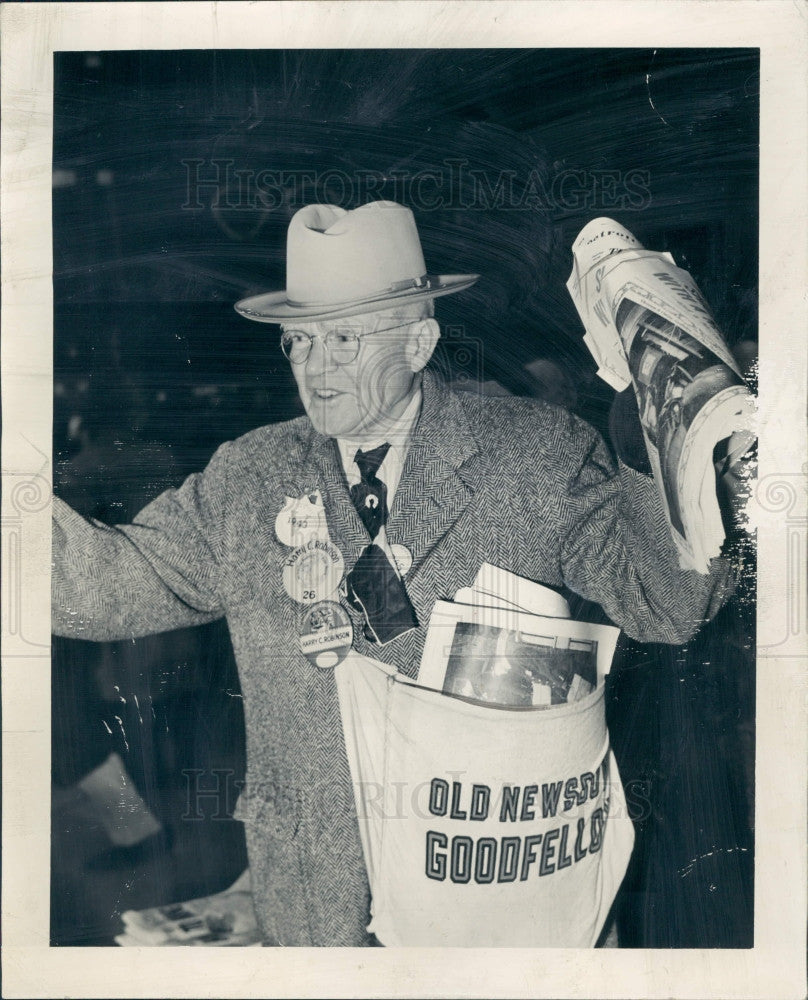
point(489, 816)
point(507, 641)
point(648, 325)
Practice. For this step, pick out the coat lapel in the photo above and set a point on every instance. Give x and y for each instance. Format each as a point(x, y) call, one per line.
point(439, 477)
point(344, 525)
point(437, 484)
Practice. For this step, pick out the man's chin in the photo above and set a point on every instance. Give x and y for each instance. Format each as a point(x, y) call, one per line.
point(332, 424)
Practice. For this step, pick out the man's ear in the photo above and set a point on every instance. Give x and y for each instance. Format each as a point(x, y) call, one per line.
point(422, 342)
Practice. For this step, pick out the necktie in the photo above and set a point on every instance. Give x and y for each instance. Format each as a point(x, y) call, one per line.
point(374, 586)
point(370, 494)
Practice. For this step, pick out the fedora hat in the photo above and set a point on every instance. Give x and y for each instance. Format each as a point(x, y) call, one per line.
point(341, 263)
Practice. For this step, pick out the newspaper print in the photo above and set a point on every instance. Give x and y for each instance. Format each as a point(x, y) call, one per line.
point(500, 657)
point(225, 919)
point(504, 667)
point(647, 325)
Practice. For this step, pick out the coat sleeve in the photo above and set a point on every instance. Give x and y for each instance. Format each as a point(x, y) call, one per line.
point(616, 548)
point(158, 573)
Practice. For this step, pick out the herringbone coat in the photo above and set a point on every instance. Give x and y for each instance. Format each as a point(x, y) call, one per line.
point(514, 482)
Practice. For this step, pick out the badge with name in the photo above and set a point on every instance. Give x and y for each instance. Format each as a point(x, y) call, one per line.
point(300, 519)
point(313, 571)
point(326, 634)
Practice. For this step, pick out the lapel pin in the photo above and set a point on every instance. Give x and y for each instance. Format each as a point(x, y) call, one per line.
point(402, 557)
point(326, 634)
point(301, 519)
point(313, 571)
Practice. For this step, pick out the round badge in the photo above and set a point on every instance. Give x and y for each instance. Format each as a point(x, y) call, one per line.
point(326, 634)
point(402, 558)
point(300, 519)
point(313, 571)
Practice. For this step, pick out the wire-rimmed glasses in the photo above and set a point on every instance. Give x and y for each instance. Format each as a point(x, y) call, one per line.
point(342, 343)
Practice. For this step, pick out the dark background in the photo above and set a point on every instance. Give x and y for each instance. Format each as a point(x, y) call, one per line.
point(153, 369)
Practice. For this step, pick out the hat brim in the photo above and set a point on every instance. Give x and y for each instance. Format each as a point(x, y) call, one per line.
point(274, 307)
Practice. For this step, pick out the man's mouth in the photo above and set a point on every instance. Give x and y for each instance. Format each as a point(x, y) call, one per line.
point(325, 394)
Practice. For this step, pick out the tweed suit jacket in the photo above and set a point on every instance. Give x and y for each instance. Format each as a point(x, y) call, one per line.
point(514, 482)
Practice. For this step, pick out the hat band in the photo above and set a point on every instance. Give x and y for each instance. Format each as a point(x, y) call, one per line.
point(422, 284)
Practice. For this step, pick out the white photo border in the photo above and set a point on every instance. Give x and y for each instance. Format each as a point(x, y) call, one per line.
point(31, 33)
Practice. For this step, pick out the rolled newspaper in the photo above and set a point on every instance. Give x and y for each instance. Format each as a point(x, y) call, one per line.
point(648, 326)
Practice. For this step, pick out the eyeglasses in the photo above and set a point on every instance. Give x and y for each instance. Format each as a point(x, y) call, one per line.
point(341, 343)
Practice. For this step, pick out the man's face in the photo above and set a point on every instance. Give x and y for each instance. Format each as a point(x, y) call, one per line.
point(361, 398)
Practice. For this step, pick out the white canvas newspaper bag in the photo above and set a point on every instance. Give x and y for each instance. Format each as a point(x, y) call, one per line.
point(482, 826)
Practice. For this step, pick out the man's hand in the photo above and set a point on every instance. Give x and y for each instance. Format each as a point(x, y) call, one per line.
point(736, 471)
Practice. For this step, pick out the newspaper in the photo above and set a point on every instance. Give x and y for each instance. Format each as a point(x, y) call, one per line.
point(506, 641)
point(226, 919)
point(648, 326)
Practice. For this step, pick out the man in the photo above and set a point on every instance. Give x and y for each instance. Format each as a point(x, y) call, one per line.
point(418, 487)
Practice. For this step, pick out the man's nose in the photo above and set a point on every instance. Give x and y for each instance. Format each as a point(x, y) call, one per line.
point(319, 359)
